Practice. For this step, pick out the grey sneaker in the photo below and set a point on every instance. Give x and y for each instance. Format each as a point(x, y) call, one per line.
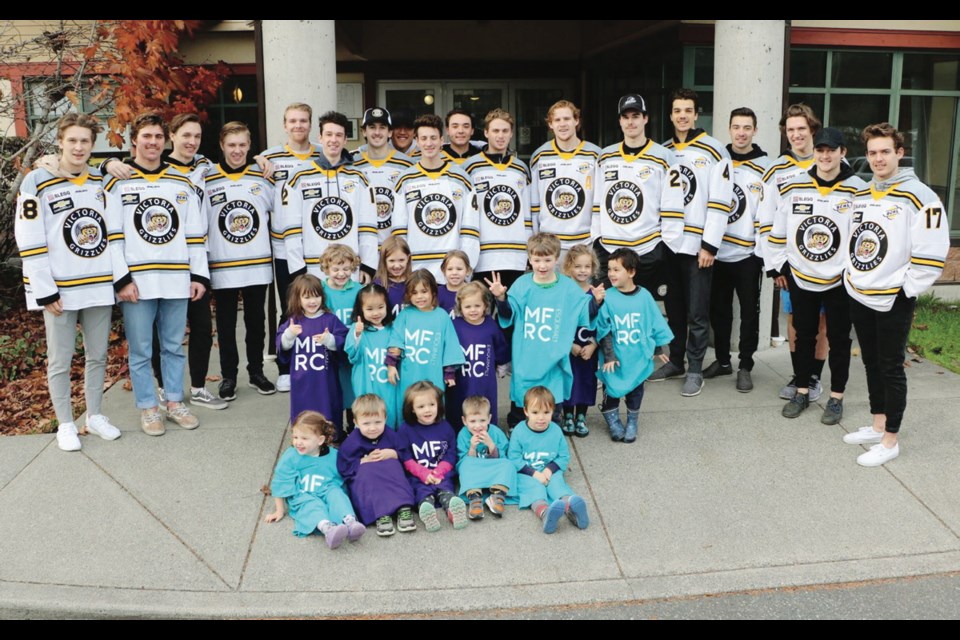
point(203, 398)
point(833, 412)
point(795, 407)
point(816, 389)
point(789, 390)
point(668, 371)
point(744, 381)
point(692, 385)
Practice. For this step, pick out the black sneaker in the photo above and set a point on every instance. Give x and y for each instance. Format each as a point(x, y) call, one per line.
point(668, 371)
point(228, 389)
point(717, 369)
point(796, 406)
point(833, 412)
point(263, 386)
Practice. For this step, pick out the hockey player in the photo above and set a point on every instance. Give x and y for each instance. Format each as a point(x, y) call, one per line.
point(799, 125)
point(237, 207)
point(810, 229)
point(632, 192)
point(898, 244)
point(438, 205)
point(329, 201)
point(403, 134)
point(460, 133)
point(162, 236)
point(286, 159)
point(706, 174)
point(562, 174)
point(739, 265)
point(63, 233)
point(502, 182)
point(382, 165)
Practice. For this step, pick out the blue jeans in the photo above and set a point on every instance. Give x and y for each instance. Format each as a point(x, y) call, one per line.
point(171, 319)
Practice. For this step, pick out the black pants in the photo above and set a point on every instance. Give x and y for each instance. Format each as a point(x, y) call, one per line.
point(282, 281)
point(254, 320)
point(806, 323)
point(744, 278)
point(688, 307)
point(201, 341)
point(883, 344)
point(652, 272)
point(633, 400)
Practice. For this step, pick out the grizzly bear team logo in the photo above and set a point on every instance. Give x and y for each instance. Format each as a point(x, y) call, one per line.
point(868, 246)
point(332, 218)
point(238, 222)
point(624, 202)
point(501, 205)
point(85, 233)
point(383, 200)
point(688, 180)
point(818, 238)
point(564, 198)
point(738, 205)
point(435, 215)
point(156, 220)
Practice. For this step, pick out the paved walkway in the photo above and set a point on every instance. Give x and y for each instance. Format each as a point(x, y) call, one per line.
point(719, 494)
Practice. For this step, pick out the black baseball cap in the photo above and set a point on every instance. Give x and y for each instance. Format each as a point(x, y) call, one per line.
point(403, 118)
point(828, 137)
point(374, 115)
point(631, 102)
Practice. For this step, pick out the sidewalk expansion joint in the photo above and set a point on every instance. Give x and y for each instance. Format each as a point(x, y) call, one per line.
point(593, 498)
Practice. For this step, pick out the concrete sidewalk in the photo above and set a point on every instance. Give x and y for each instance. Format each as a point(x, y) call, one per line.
point(719, 494)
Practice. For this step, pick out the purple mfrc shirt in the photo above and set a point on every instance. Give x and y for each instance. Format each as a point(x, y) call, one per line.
point(447, 300)
point(395, 293)
point(584, 371)
point(429, 445)
point(313, 373)
point(484, 347)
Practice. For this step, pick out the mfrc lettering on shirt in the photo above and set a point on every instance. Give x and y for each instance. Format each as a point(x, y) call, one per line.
point(429, 452)
point(378, 372)
point(540, 323)
point(310, 483)
point(476, 356)
point(309, 354)
point(536, 459)
point(415, 340)
point(628, 328)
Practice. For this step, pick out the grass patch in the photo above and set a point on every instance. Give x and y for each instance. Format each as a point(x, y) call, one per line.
point(935, 334)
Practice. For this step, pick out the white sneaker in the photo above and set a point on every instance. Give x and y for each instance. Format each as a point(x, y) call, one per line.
point(283, 383)
point(100, 425)
point(878, 455)
point(816, 389)
point(863, 435)
point(162, 395)
point(67, 438)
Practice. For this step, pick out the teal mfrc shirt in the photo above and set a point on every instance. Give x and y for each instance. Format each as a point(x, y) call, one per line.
point(545, 318)
point(429, 344)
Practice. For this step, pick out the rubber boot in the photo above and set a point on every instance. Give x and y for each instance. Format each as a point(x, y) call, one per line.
point(630, 434)
point(616, 427)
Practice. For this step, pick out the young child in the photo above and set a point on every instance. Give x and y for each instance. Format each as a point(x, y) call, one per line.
point(430, 455)
point(581, 265)
point(631, 330)
point(540, 454)
point(483, 464)
point(423, 341)
point(547, 308)
point(308, 340)
point(369, 463)
point(484, 349)
point(339, 262)
point(366, 348)
point(394, 271)
point(306, 482)
point(456, 269)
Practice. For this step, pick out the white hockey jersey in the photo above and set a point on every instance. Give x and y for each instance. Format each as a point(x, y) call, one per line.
point(163, 232)
point(811, 228)
point(783, 170)
point(382, 176)
point(238, 208)
point(63, 232)
point(899, 240)
point(503, 198)
point(561, 191)
point(321, 206)
point(286, 162)
point(704, 169)
point(633, 197)
point(743, 223)
point(437, 213)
